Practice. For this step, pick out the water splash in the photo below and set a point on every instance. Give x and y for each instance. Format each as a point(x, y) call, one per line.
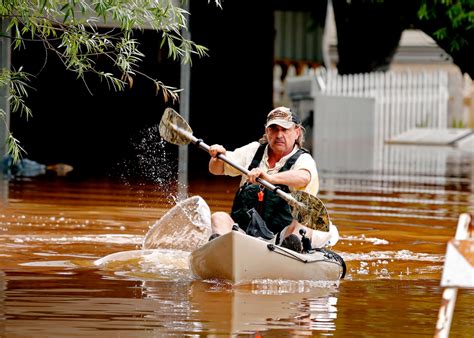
point(363, 238)
point(159, 264)
point(166, 246)
point(151, 161)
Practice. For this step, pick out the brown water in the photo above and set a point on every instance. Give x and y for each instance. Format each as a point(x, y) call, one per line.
point(394, 225)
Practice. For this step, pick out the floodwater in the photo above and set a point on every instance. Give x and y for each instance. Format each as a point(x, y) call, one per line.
point(394, 223)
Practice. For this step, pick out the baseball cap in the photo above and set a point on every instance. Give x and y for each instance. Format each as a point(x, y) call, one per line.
point(283, 117)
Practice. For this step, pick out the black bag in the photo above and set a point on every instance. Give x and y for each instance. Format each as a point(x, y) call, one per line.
point(257, 226)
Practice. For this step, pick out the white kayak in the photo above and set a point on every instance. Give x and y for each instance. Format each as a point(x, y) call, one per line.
point(235, 257)
point(239, 258)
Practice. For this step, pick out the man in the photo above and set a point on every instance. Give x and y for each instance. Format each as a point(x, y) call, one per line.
point(278, 158)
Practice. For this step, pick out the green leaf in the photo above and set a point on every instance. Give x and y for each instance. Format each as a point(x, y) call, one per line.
point(423, 12)
point(441, 33)
point(455, 45)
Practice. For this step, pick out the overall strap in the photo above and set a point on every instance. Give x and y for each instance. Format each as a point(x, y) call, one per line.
point(257, 157)
point(288, 164)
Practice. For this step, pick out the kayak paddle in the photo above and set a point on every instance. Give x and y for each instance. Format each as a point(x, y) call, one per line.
point(306, 208)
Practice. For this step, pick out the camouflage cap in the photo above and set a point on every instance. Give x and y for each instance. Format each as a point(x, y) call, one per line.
point(283, 117)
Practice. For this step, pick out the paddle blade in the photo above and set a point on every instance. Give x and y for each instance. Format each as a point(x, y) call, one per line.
point(311, 212)
point(169, 124)
point(184, 227)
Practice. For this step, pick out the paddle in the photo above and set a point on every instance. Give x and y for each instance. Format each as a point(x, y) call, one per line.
point(306, 208)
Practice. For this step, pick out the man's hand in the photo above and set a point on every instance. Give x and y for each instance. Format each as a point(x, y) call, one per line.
point(216, 149)
point(216, 166)
point(257, 172)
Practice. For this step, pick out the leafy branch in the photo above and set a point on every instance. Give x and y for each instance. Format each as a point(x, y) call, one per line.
point(459, 15)
point(18, 90)
point(69, 28)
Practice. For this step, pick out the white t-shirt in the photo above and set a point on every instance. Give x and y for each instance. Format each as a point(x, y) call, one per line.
point(244, 156)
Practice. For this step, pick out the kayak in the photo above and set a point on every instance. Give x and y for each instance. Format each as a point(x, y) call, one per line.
point(184, 230)
point(240, 258)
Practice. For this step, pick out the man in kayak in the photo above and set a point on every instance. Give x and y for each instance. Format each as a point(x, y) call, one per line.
point(278, 158)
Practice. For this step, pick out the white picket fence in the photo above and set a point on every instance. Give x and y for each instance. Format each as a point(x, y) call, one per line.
point(403, 100)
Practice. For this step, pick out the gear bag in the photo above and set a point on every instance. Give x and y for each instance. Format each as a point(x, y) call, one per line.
point(257, 226)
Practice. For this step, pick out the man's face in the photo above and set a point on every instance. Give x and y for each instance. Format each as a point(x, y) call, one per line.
point(282, 140)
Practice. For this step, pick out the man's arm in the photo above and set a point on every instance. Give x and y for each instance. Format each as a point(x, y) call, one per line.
point(296, 178)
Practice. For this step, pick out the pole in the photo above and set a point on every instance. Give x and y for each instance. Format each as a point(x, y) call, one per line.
point(5, 60)
point(4, 90)
point(185, 84)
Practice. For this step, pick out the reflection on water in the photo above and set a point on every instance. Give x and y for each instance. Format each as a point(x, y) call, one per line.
point(3, 287)
point(296, 307)
point(394, 224)
point(3, 190)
